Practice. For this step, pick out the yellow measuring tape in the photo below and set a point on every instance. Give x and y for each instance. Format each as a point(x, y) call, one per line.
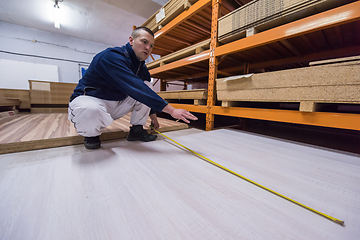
point(267, 189)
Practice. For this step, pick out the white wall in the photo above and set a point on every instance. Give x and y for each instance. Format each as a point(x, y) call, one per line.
point(171, 87)
point(65, 52)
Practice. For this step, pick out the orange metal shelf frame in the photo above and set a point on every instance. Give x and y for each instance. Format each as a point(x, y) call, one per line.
point(323, 119)
point(332, 18)
point(199, 5)
point(182, 62)
point(181, 32)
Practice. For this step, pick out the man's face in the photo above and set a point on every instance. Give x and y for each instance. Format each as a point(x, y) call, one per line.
point(142, 45)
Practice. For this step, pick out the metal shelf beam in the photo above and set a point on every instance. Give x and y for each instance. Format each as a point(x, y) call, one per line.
point(323, 119)
point(182, 62)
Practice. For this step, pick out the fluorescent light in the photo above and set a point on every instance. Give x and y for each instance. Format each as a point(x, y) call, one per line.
point(56, 16)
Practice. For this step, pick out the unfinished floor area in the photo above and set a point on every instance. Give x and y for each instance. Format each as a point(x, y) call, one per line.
point(157, 190)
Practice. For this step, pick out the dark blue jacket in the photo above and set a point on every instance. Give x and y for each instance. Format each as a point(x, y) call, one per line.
point(116, 73)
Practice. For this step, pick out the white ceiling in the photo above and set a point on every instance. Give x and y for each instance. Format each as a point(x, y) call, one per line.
point(104, 21)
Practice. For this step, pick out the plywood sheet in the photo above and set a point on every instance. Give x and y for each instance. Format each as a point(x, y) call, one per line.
point(155, 190)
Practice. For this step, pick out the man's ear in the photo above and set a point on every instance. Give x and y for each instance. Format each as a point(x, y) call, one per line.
point(131, 40)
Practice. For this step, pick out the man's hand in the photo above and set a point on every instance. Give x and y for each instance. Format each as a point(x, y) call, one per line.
point(154, 121)
point(179, 113)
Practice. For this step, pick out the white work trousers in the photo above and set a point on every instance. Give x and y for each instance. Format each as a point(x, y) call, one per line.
point(91, 115)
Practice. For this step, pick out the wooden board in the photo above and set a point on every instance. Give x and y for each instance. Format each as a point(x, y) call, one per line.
point(172, 9)
point(9, 102)
point(198, 95)
point(22, 95)
point(329, 83)
point(24, 132)
point(50, 97)
point(183, 53)
point(261, 15)
point(155, 190)
point(50, 92)
point(184, 94)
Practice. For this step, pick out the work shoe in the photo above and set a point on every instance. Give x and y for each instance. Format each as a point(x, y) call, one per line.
point(137, 133)
point(92, 142)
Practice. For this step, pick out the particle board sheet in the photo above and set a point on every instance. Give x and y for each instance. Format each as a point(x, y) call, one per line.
point(332, 83)
point(24, 132)
point(184, 94)
point(265, 14)
point(155, 190)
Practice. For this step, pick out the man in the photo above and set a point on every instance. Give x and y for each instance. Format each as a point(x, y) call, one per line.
point(118, 82)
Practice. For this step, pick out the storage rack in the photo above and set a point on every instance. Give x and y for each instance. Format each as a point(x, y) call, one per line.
point(331, 34)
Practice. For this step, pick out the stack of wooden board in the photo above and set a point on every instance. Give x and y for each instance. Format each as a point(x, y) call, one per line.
point(7, 106)
point(50, 97)
point(260, 15)
point(169, 11)
point(336, 82)
point(183, 53)
point(9, 102)
point(198, 95)
point(20, 95)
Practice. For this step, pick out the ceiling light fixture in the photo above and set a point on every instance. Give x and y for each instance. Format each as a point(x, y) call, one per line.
point(56, 14)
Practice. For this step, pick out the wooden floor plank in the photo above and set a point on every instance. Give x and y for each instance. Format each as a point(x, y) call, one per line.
point(24, 132)
point(155, 190)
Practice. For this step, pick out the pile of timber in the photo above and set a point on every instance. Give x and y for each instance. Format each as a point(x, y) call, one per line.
point(20, 98)
point(167, 13)
point(7, 106)
point(183, 53)
point(260, 15)
point(332, 81)
point(50, 97)
point(198, 95)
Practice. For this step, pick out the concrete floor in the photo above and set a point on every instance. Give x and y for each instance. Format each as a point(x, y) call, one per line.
point(156, 190)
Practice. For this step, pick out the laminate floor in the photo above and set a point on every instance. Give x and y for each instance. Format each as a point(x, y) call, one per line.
point(24, 132)
point(156, 190)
